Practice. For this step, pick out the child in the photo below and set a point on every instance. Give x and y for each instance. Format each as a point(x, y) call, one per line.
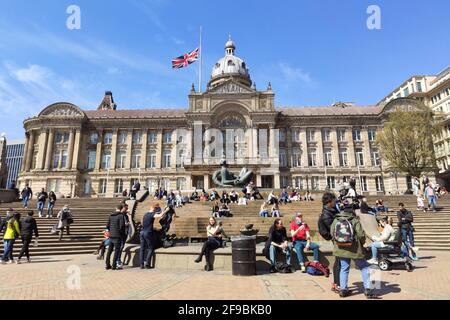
point(420, 204)
point(105, 244)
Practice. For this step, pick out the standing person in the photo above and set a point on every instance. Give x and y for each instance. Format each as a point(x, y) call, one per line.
point(302, 240)
point(41, 197)
point(425, 182)
point(135, 189)
point(326, 219)
point(147, 235)
point(430, 194)
point(51, 204)
point(117, 231)
point(28, 227)
point(416, 186)
point(215, 235)
point(12, 232)
point(348, 240)
point(65, 220)
point(26, 194)
point(277, 241)
point(405, 220)
point(124, 237)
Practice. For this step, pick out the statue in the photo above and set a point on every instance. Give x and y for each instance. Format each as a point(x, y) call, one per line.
point(224, 178)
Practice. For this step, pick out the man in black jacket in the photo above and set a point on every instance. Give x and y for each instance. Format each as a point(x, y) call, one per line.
point(28, 227)
point(329, 211)
point(405, 220)
point(42, 197)
point(116, 227)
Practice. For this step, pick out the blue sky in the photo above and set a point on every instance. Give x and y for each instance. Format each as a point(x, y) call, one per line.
point(313, 52)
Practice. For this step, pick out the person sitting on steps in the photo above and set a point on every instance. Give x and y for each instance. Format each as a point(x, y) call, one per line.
point(302, 240)
point(215, 235)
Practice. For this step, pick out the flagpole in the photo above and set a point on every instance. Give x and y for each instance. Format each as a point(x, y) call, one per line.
point(201, 63)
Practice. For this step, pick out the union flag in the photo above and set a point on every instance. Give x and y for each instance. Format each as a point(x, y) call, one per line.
point(185, 60)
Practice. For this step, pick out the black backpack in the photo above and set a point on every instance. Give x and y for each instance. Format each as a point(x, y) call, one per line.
point(282, 267)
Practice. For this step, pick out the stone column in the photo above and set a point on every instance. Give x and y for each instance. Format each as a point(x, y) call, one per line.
point(144, 150)
point(98, 154)
point(258, 180)
point(159, 149)
point(206, 181)
point(49, 155)
point(27, 142)
point(70, 149)
point(129, 149)
point(76, 149)
point(173, 156)
point(30, 150)
point(254, 146)
point(41, 151)
point(304, 147)
point(289, 150)
point(112, 165)
point(335, 148)
point(320, 160)
point(350, 147)
point(276, 181)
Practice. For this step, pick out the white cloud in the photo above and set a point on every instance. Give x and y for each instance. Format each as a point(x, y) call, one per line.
point(294, 74)
point(32, 74)
point(178, 41)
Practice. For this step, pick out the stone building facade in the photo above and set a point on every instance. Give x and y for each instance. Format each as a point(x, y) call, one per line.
point(97, 153)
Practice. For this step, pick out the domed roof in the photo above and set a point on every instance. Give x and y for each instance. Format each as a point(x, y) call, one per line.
point(231, 65)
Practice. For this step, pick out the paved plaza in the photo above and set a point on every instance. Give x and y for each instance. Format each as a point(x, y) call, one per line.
point(82, 277)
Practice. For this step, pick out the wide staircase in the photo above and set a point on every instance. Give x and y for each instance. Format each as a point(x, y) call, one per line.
point(432, 230)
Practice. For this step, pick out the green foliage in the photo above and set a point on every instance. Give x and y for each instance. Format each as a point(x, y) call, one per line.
point(406, 142)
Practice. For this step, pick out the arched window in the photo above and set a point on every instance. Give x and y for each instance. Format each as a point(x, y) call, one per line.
point(231, 63)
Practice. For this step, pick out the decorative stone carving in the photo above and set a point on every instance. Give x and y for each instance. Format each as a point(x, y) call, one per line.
point(62, 110)
point(232, 121)
point(230, 87)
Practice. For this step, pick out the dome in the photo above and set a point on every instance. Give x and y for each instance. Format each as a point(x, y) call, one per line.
point(231, 65)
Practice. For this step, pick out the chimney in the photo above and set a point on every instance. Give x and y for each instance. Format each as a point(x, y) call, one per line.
point(107, 102)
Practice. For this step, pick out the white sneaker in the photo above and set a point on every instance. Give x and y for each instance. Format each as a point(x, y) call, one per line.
point(18, 262)
point(372, 261)
point(415, 249)
point(10, 261)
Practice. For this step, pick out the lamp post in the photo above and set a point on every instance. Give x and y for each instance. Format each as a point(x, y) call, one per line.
point(394, 173)
point(380, 165)
point(359, 175)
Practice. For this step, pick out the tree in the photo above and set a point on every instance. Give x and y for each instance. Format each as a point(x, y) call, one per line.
point(406, 142)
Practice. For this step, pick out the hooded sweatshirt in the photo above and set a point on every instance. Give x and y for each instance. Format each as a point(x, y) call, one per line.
point(356, 250)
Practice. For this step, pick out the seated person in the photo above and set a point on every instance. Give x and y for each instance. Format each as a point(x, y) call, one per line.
point(242, 201)
point(284, 197)
point(365, 207)
point(272, 199)
point(293, 196)
point(225, 198)
point(275, 211)
point(214, 195)
point(351, 193)
point(264, 211)
point(100, 252)
point(178, 200)
point(388, 234)
point(215, 209)
point(278, 242)
point(380, 208)
point(215, 234)
point(194, 196)
point(234, 197)
point(184, 200)
point(255, 194)
point(224, 211)
point(302, 240)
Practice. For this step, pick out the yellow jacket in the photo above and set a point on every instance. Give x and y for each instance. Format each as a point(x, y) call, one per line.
point(12, 231)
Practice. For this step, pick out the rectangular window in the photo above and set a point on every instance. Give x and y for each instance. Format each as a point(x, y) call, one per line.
point(282, 135)
point(121, 159)
point(419, 86)
point(326, 135)
point(372, 134)
point(406, 92)
point(376, 158)
point(102, 187)
point(167, 137)
point(331, 182)
point(166, 159)
point(137, 137)
point(56, 158)
point(284, 181)
point(283, 162)
point(315, 183)
point(341, 134)
point(296, 158)
point(299, 182)
point(151, 159)
point(93, 138)
point(181, 183)
point(53, 185)
point(343, 158)
point(123, 137)
point(312, 158)
point(107, 138)
point(359, 157)
point(296, 135)
point(311, 135)
point(379, 184)
point(136, 159)
point(63, 159)
point(87, 186)
point(357, 134)
point(151, 138)
point(106, 159)
point(91, 159)
point(118, 188)
point(364, 184)
point(328, 157)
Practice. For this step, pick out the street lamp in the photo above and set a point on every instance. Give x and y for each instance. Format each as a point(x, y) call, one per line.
point(380, 165)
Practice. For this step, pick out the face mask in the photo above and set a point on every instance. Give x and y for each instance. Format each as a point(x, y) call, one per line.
point(298, 221)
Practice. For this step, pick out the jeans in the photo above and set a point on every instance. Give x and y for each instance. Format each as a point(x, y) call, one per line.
point(25, 201)
point(273, 252)
point(40, 207)
point(375, 246)
point(264, 214)
point(50, 207)
point(8, 249)
point(432, 202)
point(147, 248)
point(113, 245)
point(208, 248)
point(408, 241)
point(299, 245)
point(345, 270)
point(337, 271)
point(122, 245)
point(276, 213)
point(25, 247)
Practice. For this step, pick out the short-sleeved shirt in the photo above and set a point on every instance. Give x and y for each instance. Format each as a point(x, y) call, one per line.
point(278, 236)
point(301, 235)
point(148, 221)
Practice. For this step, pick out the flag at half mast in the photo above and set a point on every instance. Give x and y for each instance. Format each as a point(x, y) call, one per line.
point(185, 60)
